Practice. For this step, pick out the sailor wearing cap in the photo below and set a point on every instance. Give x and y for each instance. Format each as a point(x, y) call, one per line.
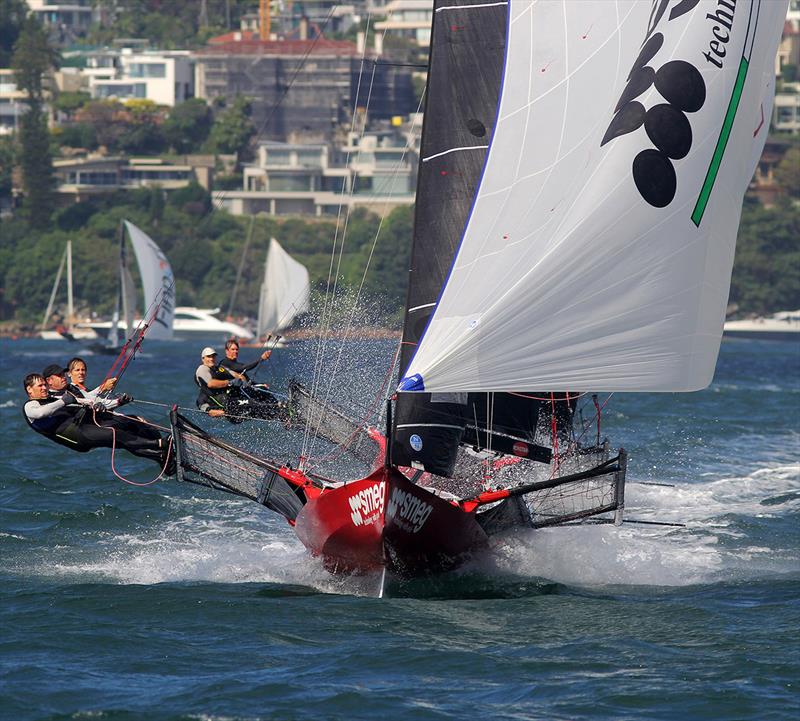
point(214, 383)
point(55, 376)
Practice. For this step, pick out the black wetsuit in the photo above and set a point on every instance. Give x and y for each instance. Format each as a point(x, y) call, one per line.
point(82, 429)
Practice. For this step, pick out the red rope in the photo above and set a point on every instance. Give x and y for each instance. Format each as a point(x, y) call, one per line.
point(114, 450)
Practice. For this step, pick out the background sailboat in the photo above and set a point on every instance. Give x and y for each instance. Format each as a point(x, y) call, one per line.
point(67, 330)
point(285, 291)
point(158, 290)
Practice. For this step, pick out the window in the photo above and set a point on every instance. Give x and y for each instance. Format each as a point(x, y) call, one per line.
point(290, 182)
point(122, 90)
point(95, 177)
point(147, 70)
point(278, 157)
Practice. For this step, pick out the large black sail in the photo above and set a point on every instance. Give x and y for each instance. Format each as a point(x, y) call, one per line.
point(462, 96)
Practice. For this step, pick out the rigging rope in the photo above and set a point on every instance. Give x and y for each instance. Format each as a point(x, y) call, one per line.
point(132, 344)
point(114, 450)
point(357, 298)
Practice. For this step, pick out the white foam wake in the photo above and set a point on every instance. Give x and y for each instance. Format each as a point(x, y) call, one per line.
point(234, 541)
point(215, 541)
point(714, 545)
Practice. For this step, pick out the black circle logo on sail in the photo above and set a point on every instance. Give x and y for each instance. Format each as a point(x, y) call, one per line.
point(666, 125)
point(655, 177)
point(476, 127)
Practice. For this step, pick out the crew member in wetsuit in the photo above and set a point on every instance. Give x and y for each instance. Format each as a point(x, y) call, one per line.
point(253, 400)
point(231, 359)
point(73, 423)
point(77, 369)
point(215, 384)
point(56, 378)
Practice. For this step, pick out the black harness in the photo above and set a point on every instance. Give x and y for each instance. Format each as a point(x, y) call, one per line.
point(60, 427)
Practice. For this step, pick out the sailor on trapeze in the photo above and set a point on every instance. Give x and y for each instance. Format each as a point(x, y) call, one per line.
point(82, 424)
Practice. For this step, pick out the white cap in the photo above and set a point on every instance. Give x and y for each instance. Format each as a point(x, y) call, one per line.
point(208, 350)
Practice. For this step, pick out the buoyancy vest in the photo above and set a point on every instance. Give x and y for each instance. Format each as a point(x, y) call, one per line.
point(213, 397)
point(62, 426)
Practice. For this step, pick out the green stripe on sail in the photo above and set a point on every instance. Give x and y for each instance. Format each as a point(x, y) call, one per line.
point(722, 142)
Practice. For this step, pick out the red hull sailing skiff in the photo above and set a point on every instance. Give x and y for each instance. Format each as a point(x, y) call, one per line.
point(578, 198)
point(384, 520)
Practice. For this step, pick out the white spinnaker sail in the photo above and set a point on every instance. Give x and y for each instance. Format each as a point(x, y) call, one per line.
point(157, 281)
point(284, 292)
point(567, 278)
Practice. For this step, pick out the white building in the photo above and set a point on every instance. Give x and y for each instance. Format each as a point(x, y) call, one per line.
point(786, 109)
point(409, 19)
point(11, 102)
point(377, 171)
point(165, 77)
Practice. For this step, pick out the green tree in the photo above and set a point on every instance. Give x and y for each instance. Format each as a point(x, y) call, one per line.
point(188, 125)
point(233, 129)
point(6, 166)
point(12, 15)
point(69, 102)
point(787, 174)
point(33, 59)
point(766, 271)
point(143, 134)
point(105, 117)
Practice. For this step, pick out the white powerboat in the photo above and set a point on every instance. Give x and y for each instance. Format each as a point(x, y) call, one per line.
point(192, 321)
point(784, 325)
point(203, 320)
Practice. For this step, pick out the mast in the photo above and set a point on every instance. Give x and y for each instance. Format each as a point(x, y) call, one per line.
point(70, 304)
point(465, 73)
point(124, 282)
point(53, 292)
point(240, 269)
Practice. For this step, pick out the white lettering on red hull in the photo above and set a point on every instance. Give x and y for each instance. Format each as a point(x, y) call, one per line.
point(408, 511)
point(367, 505)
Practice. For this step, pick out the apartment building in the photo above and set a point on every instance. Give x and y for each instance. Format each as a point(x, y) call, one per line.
point(301, 87)
point(376, 171)
point(165, 77)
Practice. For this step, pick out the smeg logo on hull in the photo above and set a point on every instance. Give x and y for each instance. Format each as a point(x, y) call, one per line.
point(667, 126)
point(408, 511)
point(366, 506)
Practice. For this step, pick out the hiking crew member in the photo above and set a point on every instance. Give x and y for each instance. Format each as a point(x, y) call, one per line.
point(215, 383)
point(76, 368)
point(75, 423)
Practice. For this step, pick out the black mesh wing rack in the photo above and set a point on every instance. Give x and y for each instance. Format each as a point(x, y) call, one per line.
point(208, 461)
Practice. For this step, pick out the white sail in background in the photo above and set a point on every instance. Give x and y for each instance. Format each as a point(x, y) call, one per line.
point(284, 292)
point(599, 250)
point(157, 281)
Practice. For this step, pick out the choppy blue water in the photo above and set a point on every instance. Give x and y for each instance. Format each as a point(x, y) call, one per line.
point(170, 602)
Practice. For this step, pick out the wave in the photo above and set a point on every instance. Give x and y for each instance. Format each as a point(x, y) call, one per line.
point(727, 536)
